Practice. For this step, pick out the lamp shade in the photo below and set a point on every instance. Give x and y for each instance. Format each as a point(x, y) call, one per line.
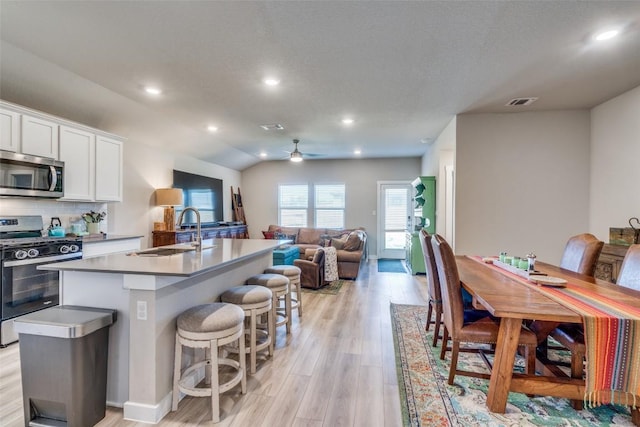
point(169, 197)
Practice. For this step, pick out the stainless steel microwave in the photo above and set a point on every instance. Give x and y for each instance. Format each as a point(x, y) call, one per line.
point(30, 176)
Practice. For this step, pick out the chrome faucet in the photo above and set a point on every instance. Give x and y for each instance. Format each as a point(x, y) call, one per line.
point(198, 242)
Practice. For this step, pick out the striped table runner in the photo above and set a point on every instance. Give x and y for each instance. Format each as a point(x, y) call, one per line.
point(612, 340)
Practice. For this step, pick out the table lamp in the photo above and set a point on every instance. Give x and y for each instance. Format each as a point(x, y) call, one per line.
point(169, 197)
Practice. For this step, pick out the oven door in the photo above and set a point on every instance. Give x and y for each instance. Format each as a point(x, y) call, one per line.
point(26, 289)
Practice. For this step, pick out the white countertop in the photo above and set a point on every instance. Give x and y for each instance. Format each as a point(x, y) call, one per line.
point(216, 253)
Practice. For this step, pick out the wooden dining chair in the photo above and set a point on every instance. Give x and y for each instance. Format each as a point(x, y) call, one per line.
point(629, 275)
point(483, 331)
point(435, 295)
point(580, 256)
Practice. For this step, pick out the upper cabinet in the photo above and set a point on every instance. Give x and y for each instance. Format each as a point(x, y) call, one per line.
point(39, 137)
point(92, 158)
point(78, 152)
point(9, 130)
point(108, 169)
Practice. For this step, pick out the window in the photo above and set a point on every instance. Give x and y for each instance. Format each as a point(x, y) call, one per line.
point(329, 205)
point(293, 202)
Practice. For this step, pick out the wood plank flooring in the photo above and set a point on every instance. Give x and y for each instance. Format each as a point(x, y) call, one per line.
point(336, 368)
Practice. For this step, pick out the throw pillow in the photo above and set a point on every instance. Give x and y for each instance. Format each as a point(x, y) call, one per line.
point(325, 240)
point(353, 242)
point(282, 236)
point(269, 234)
point(338, 243)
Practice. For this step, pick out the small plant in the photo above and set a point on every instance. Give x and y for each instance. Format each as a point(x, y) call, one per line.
point(94, 216)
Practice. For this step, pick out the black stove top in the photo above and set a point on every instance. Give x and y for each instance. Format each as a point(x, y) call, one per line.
point(27, 230)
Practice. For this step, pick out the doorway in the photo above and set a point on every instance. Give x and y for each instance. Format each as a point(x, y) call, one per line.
point(394, 207)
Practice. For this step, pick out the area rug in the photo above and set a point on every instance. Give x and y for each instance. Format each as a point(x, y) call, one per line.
point(427, 400)
point(391, 266)
point(332, 288)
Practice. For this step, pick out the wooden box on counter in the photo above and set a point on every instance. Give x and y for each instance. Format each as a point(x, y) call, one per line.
point(163, 238)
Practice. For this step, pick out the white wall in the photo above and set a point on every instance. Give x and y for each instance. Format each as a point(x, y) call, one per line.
point(147, 168)
point(260, 188)
point(615, 163)
point(522, 182)
point(441, 153)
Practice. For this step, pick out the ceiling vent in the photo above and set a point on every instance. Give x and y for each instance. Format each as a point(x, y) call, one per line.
point(517, 102)
point(274, 126)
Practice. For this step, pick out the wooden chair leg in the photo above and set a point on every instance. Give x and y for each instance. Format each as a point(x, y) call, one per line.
point(455, 347)
point(429, 312)
point(445, 340)
point(436, 331)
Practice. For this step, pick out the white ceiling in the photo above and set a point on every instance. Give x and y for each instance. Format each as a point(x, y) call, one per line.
point(401, 69)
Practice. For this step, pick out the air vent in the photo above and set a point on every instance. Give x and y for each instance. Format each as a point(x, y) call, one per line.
point(517, 102)
point(274, 126)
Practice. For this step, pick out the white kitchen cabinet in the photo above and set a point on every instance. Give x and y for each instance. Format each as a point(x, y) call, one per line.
point(9, 130)
point(78, 152)
point(108, 169)
point(39, 137)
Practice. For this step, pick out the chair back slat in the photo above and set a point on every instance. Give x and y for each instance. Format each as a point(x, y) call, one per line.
point(629, 276)
point(581, 254)
point(452, 305)
point(435, 294)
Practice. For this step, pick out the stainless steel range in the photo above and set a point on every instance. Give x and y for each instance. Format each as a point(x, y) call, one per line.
point(24, 288)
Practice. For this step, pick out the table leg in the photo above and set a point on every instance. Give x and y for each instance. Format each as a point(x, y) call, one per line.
point(502, 371)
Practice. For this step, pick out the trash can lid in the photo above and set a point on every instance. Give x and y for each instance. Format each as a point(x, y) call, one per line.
point(65, 321)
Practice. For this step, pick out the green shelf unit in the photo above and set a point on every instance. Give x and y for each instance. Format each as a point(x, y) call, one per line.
point(425, 201)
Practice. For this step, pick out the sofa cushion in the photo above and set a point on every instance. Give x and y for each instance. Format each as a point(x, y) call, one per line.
point(306, 247)
point(310, 235)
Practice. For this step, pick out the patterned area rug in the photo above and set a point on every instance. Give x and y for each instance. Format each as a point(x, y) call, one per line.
point(332, 288)
point(427, 399)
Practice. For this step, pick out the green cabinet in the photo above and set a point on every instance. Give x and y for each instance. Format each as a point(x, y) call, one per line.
point(414, 258)
point(425, 202)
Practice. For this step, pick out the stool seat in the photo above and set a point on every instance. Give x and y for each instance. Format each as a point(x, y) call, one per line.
point(268, 280)
point(255, 301)
point(292, 273)
point(285, 270)
point(210, 327)
point(247, 295)
point(202, 322)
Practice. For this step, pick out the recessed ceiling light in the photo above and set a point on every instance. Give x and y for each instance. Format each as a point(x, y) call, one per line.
point(263, 154)
point(347, 121)
point(357, 152)
point(152, 90)
point(606, 35)
point(271, 81)
point(212, 128)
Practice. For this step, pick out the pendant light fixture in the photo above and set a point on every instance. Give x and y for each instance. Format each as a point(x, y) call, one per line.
point(296, 156)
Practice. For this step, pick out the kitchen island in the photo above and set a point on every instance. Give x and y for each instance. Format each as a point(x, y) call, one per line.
point(149, 289)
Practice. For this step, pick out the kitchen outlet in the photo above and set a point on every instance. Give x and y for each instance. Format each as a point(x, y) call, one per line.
point(142, 310)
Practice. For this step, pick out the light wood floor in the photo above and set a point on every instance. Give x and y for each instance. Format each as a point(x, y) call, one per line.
point(336, 368)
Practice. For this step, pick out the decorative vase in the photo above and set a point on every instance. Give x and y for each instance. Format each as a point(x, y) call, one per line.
point(93, 227)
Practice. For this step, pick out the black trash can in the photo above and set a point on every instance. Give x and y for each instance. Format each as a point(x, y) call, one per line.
point(63, 357)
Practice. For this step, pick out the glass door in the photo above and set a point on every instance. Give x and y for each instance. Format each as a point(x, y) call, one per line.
point(395, 217)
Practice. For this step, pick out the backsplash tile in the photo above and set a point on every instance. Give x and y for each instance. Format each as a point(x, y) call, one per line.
point(68, 212)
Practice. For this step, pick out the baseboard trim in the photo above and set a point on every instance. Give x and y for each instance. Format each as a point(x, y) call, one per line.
point(151, 414)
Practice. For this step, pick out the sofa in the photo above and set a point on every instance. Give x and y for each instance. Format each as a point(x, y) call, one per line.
point(350, 244)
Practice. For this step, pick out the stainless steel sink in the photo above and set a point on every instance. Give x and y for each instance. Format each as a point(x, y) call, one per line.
point(162, 252)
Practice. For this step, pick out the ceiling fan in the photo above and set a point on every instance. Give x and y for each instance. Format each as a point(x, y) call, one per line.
point(297, 156)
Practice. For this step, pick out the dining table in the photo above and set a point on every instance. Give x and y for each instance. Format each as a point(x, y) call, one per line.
point(514, 299)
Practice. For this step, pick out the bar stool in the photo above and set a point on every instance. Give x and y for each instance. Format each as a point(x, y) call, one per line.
point(293, 274)
point(209, 326)
point(279, 286)
point(254, 301)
